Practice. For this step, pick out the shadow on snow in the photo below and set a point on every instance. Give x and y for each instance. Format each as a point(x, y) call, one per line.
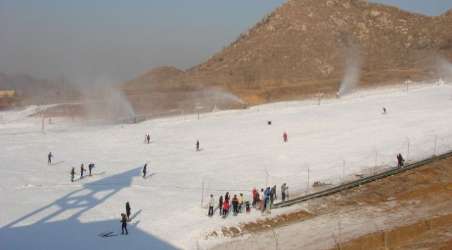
point(48, 232)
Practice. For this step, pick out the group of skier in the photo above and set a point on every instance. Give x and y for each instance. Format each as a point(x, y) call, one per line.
point(82, 171)
point(238, 202)
point(262, 200)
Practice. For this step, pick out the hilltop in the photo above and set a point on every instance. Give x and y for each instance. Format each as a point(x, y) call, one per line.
point(303, 47)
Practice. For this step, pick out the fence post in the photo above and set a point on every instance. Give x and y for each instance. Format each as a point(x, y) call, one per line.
point(436, 144)
point(343, 170)
point(266, 177)
point(202, 193)
point(408, 149)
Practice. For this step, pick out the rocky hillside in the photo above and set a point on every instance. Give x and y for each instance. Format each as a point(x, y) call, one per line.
point(303, 48)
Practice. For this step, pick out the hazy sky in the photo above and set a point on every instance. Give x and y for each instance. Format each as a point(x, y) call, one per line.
point(112, 39)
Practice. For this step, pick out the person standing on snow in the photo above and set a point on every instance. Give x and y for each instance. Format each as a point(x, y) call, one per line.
point(145, 170)
point(240, 198)
point(90, 168)
point(128, 210)
point(225, 208)
point(400, 161)
point(267, 194)
point(254, 195)
point(261, 200)
point(285, 137)
point(211, 204)
point(274, 193)
point(82, 170)
point(72, 174)
point(49, 158)
point(197, 145)
point(124, 224)
point(235, 205)
point(220, 204)
point(283, 192)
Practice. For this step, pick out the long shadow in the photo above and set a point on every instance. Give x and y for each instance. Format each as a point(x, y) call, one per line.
point(48, 232)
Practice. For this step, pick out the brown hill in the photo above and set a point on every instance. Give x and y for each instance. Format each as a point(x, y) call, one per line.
point(302, 48)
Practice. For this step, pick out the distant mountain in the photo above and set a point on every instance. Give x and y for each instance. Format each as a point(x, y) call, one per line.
point(304, 46)
point(35, 91)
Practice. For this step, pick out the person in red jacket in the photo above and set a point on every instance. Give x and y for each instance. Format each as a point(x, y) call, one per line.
point(255, 197)
point(225, 208)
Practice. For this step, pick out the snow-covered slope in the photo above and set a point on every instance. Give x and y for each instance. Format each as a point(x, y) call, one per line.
point(42, 209)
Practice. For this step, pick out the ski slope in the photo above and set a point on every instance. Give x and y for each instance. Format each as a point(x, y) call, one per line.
point(42, 209)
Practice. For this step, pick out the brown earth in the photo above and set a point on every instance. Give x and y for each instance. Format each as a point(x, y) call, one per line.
point(420, 199)
point(301, 49)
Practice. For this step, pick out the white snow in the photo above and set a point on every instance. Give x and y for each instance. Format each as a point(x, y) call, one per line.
point(42, 209)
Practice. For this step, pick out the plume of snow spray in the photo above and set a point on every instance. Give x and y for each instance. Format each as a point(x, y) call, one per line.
point(352, 71)
point(444, 68)
point(221, 95)
point(104, 100)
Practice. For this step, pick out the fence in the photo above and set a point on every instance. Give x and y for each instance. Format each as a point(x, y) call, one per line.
point(320, 176)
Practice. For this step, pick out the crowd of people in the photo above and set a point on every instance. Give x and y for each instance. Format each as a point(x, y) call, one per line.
point(261, 200)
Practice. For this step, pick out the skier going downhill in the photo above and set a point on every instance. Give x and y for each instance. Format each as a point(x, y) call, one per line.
point(90, 168)
point(124, 224)
point(145, 170)
point(49, 158)
point(128, 209)
point(72, 174)
point(82, 171)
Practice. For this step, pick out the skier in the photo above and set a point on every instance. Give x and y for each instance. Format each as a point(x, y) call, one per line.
point(225, 208)
point(274, 192)
point(82, 170)
point(267, 194)
point(261, 199)
point(144, 170)
point(272, 196)
point(400, 160)
point(226, 197)
point(235, 205)
point(49, 158)
point(220, 205)
point(254, 196)
point(247, 205)
point(197, 145)
point(128, 210)
point(283, 192)
point(124, 224)
point(211, 204)
point(240, 198)
point(90, 168)
point(285, 137)
point(72, 174)
point(384, 111)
